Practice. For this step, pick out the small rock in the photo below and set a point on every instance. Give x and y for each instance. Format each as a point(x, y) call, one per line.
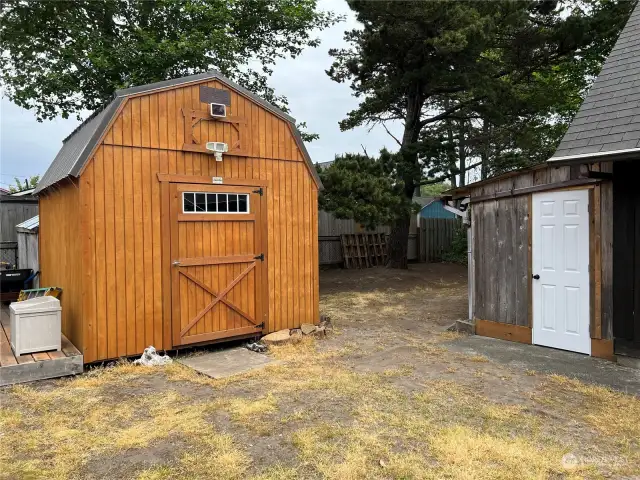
point(320, 331)
point(308, 328)
point(277, 338)
point(325, 322)
point(295, 335)
point(570, 461)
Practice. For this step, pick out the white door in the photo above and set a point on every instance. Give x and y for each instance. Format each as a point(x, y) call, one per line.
point(561, 270)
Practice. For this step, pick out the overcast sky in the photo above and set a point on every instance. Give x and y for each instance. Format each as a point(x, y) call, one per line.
point(28, 147)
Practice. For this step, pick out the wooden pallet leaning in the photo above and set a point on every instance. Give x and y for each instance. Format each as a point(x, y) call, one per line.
point(377, 246)
point(364, 250)
point(354, 251)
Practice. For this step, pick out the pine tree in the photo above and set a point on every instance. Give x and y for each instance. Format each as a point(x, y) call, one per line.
point(460, 75)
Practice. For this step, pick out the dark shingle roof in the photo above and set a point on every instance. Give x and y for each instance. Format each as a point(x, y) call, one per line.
point(77, 147)
point(608, 121)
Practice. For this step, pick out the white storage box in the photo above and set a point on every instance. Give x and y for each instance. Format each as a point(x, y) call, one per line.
point(35, 325)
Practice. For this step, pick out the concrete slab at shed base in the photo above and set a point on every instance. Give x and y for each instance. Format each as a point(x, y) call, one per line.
point(225, 363)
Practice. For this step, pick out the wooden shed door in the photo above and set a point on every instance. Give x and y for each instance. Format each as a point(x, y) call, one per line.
point(218, 265)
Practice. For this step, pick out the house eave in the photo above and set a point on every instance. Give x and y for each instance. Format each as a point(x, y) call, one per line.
point(614, 155)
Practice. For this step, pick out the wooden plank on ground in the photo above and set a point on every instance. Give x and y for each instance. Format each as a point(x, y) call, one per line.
point(29, 372)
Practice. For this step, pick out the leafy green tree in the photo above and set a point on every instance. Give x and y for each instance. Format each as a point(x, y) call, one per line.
point(459, 74)
point(21, 186)
point(66, 56)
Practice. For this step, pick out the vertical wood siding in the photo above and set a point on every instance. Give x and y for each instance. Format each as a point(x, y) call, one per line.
point(60, 254)
point(123, 297)
point(502, 251)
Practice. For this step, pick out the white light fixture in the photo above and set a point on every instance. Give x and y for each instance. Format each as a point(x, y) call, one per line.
point(218, 148)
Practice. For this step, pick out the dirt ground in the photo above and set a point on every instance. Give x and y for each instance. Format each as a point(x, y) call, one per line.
point(383, 396)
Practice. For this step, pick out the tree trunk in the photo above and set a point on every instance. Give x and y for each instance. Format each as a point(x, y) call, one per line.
point(462, 154)
point(399, 243)
point(484, 154)
point(399, 236)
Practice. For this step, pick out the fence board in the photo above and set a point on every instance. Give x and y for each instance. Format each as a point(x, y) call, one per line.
point(427, 241)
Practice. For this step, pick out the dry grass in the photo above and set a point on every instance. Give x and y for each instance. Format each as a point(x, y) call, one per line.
point(607, 410)
point(464, 453)
point(444, 430)
point(319, 413)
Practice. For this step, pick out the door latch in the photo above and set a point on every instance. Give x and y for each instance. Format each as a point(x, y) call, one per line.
point(259, 257)
point(175, 263)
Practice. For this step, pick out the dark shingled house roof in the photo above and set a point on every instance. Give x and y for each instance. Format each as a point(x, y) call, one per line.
point(80, 144)
point(608, 122)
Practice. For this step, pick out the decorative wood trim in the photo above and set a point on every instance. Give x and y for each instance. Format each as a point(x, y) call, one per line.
point(175, 276)
point(597, 263)
point(262, 239)
point(213, 188)
point(221, 334)
point(514, 192)
point(503, 331)
point(530, 261)
point(204, 311)
point(190, 262)
point(216, 217)
point(165, 232)
point(199, 148)
point(193, 117)
point(602, 349)
point(591, 267)
point(210, 291)
point(173, 178)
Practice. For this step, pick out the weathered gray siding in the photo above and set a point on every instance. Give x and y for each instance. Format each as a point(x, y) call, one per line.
point(13, 212)
point(502, 254)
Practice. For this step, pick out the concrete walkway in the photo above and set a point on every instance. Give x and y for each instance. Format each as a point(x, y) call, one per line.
point(549, 360)
point(226, 362)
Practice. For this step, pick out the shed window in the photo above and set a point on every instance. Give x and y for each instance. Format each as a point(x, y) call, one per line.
point(201, 202)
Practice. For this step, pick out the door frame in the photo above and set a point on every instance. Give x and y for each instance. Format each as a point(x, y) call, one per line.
point(592, 259)
point(166, 215)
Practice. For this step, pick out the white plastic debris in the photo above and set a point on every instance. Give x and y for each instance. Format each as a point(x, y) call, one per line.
point(150, 358)
point(256, 347)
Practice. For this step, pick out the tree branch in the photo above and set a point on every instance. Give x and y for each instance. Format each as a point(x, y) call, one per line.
point(391, 134)
point(449, 111)
point(431, 181)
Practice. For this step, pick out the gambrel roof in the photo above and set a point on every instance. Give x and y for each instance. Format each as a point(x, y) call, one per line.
point(608, 122)
point(78, 147)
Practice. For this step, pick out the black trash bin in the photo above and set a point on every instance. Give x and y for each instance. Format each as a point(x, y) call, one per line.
point(12, 281)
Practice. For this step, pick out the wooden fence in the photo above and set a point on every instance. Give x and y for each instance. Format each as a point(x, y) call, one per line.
point(434, 237)
point(330, 229)
point(15, 210)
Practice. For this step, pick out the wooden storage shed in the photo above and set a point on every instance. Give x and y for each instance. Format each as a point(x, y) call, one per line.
point(157, 240)
point(556, 247)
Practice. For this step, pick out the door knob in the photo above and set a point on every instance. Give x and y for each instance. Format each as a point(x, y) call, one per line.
point(536, 277)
